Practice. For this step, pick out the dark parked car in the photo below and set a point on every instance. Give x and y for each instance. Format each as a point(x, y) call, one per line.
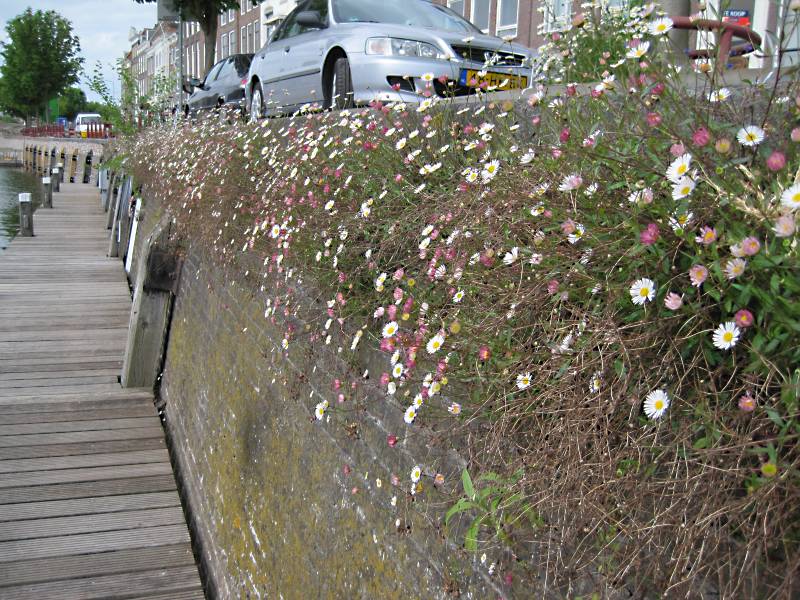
point(223, 86)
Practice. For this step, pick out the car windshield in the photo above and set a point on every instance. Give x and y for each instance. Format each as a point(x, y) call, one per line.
point(414, 13)
point(90, 119)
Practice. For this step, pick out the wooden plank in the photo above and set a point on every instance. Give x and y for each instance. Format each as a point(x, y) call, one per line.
point(87, 506)
point(109, 587)
point(87, 489)
point(84, 543)
point(107, 447)
point(114, 521)
point(85, 460)
point(84, 396)
point(34, 478)
point(186, 594)
point(28, 385)
point(39, 439)
point(65, 426)
point(80, 415)
point(89, 565)
point(56, 372)
point(84, 403)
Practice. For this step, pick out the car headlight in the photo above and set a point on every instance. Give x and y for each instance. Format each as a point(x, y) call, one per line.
point(399, 47)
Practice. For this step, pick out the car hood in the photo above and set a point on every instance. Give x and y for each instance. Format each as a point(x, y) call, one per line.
point(437, 36)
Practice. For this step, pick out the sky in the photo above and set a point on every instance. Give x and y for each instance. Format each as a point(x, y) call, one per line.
point(101, 25)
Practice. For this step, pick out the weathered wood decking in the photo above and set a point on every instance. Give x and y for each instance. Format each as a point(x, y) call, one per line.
point(88, 503)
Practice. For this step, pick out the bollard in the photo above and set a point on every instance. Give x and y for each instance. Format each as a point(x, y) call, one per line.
point(25, 215)
point(56, 179)
point(60, 173)
point(47, 200)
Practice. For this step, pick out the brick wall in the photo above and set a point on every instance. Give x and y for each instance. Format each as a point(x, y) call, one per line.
point(282, 503)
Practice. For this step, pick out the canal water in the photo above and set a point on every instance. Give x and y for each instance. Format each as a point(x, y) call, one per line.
point(12, 183)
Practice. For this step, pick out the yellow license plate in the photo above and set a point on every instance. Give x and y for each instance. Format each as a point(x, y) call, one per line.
point(499, 81)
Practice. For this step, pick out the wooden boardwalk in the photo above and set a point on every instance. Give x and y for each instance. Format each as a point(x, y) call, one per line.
point(88, 502)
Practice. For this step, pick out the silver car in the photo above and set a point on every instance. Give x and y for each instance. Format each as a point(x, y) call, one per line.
point(339, 53)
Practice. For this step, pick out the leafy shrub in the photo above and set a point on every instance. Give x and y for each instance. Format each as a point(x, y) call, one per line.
point(592, 295)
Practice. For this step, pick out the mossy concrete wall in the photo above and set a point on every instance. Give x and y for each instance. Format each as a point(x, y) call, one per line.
point(283, 505)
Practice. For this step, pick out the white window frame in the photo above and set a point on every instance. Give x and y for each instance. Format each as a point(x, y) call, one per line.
point(231, 15)
point(243, 36)
point(232, 43)
point(223, 18)
point(463, 6)
point(488, 16)
point(250, 37)
point(552, 22)
point(501, 30)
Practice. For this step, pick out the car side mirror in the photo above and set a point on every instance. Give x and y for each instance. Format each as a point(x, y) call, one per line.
point(311, 19)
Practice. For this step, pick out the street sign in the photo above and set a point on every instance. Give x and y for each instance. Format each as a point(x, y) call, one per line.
point(738, 16)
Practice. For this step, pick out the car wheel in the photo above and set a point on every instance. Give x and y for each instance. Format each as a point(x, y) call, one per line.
point(342, 85)
point(257, 104)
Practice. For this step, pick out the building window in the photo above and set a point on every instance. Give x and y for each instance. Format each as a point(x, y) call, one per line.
point(257, 29)
point(507, 18)
point(250, 41)
point(223, 18)
point(480, 14)
point(224, 52)
point(232, 36)
point(557, 13)
point(231, 15)
point(244, 38)
point(242, 7)
point(456, 6)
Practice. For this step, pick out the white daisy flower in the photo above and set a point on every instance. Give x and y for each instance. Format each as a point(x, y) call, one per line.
point(320, 409)
point(410, 415)
point(418, 401)
point(660, 26)
point(570, 182)
point(435, 343)
point(638, 51)
point(472, 175)
point(790, 198)
point(390, 329)
point(679, 167)
point(683, 188)
point(680, 221)
point(416, 473)
point(511, 257)
point(523, 380)
point(595, 382)
point(576, 235)
point(752, 135)
point(490, 170)
point(454, 408)
point(643, 290)
point(726, 335)
point(537, 210)
point(656, 404)
point(275, 231)
point(391, 388)
point(719, 95)
point(735, 267)
point(458, 296)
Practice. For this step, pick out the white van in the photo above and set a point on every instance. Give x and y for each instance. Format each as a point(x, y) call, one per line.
point(82, 121)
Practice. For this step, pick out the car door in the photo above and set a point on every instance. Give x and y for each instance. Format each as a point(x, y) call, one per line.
point(224, 82)
point(200, 97)
point(270, 63)
point(302, 73)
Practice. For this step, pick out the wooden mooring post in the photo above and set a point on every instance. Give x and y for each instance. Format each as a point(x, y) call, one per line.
point(47, 198)
point(25, 215)
point(56, 179)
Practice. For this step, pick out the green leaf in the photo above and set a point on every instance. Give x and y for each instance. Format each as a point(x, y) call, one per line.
point(701, 443)
point(469, 489)
point(471, 537)
point(462, 505)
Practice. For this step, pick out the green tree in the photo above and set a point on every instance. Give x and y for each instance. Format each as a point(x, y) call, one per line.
point(40, 61)
point(205, 12)
point(71, 102)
